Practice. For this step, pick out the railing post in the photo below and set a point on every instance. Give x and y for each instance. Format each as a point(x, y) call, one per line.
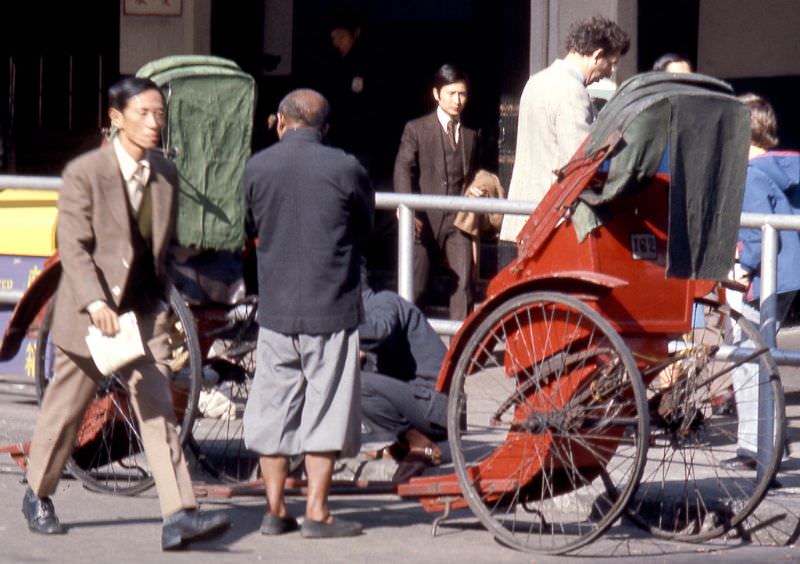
point(769, 326)
point(405, 252)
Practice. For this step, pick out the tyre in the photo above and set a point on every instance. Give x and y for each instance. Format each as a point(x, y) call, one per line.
point(109, 456)
point(686, 492)
point(217, 437)
point(547, 423)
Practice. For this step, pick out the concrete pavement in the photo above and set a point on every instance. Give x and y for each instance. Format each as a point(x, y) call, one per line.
point(104, 528)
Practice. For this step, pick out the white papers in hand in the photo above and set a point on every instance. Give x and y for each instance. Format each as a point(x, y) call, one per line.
point(111, 353)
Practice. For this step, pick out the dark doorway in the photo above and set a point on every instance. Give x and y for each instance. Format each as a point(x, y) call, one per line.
point(56, 63)
point(407, 41)
point(667, 27)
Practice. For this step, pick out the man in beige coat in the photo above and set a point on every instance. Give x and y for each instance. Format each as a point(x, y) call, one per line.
point(116, 215)
point(555, 111)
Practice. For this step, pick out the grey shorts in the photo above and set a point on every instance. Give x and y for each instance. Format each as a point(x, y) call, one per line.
point(305, 395)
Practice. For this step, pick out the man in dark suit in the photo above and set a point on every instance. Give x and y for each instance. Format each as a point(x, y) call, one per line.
point(438, 156)
point(116, 215)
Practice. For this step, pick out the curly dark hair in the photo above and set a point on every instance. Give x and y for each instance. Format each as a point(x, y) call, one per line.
point(586, 36)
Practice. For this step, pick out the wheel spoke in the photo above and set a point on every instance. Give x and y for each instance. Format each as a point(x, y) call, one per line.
point(675, 499)
point(552, 445)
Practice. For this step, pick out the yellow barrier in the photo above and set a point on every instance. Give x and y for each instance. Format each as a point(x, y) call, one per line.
point(27, 222)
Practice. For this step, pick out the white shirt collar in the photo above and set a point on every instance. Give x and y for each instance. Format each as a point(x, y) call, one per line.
point(444, 119)
point(127, 164)
point(576, 70)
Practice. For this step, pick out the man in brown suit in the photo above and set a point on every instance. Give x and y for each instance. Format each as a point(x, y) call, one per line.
point(438, 156)
point(116, 214)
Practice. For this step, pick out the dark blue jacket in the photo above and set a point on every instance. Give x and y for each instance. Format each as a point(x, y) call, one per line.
point(773, 186)
point(311, 207)
point(398, 340)
point(401, 344)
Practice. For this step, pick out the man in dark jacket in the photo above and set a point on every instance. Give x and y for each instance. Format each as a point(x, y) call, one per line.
point(311, 208)
point(402, 358)
point(351, 90)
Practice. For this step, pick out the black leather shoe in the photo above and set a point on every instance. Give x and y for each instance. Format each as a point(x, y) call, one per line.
point(41, 515)
point(739, 462)
point(189, 525)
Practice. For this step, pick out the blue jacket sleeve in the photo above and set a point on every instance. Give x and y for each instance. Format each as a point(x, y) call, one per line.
point(759, 197)
point(381, 320)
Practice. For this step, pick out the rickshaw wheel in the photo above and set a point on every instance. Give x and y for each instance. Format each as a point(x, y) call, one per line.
point(685, 492)
point(217, 437)
point(547, 423)
point(109, 456)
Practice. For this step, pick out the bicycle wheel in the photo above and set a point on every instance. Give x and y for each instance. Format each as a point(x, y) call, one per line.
point(547, 424)
point(217, 437)
point(686, 493)
point(109, 455)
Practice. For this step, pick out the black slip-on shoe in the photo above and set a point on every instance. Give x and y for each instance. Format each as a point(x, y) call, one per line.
point(190, 525)
point(274, 525)
point(311, 529)
point(41, 515)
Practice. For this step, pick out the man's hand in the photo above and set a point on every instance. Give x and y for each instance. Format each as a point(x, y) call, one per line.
point(105, 319)
point(417, 226)
point(475, 192)
point(740, 275)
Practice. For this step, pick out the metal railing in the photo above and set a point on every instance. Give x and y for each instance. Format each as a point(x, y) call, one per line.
point(406, 203)
point(770, 225)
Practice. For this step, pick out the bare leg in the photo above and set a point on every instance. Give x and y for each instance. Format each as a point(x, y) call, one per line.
point(319, 467)
point(275, 470)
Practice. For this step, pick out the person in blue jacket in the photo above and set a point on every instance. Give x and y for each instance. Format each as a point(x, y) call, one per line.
point(772, 187)
point(401, 358)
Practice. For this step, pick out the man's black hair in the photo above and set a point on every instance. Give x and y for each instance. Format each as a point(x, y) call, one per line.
point(123, 90)
point(667, 59)
point(347, 19)
point(449, 74)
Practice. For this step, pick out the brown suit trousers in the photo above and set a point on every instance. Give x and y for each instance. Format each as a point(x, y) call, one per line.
point(73, 389)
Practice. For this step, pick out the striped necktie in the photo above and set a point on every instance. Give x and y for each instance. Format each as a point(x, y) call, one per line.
point(451, 133)
point(138, 188)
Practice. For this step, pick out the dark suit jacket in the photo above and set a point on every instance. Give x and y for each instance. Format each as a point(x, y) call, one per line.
point(420, 165)
point(94, 237)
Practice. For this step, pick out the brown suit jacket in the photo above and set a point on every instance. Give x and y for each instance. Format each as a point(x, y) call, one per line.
point(94, 237)
point(420, 165)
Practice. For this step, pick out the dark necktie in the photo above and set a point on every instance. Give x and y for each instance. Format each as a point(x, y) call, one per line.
point(451, 133)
